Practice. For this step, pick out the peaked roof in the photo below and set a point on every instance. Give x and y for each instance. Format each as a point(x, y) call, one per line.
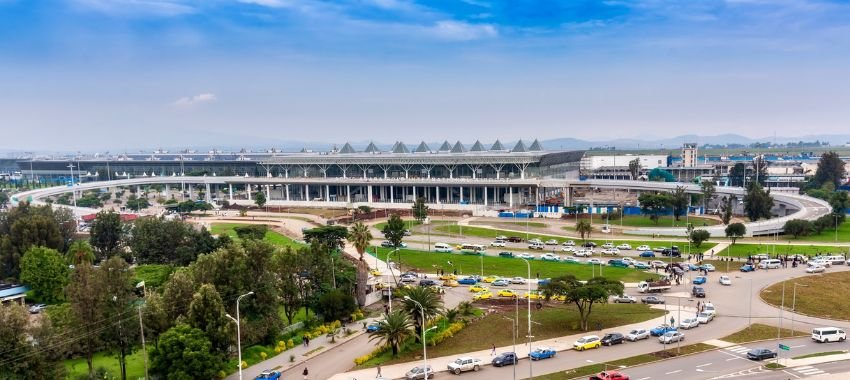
point(347, 149)
point(371, 148)
point(535, 146)
point(445, 147)
point(477, 147)
point(519, 147)
point(400, 148)
point(422, 148)
point(458, 148)
point(497, 146)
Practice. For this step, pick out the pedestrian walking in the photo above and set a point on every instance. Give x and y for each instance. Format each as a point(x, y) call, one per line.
point(493, 351)
point(379, 371)
point(305, 373)
point(304, 341)
point(307, 344)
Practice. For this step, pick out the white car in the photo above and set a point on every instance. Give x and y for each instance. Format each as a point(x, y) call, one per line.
point(584, 252)
point(628, 260)
point(644, 248)
point(704, 318)
point(526, 256)
point(501, 237)
point(657, 264)
point(464, 364)
point(498, 243)
point(625, 246)
point(624, 298)
point(671, 337)
point(708, 307)
point(815, 269)
point(551, 242)
point(570, 259)
point(725, 280)
point(549, 257)
point(611, 251)
point(594, 261)
point(709, 267)
point(535, 245)
point(535, 240)
point(821, 262)
point(638, 334)
point(517, 280)
point(688, 323)
point(568, 248)
point(569, 243)
point(608, 245)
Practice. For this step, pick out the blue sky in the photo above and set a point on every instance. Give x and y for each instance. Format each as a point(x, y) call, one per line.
point(123, 74)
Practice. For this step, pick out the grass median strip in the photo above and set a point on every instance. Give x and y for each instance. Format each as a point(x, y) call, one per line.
point(272, 236)
point(819, 354)
point(620, 364)
point(758, 331)
point(823, 296)
point(745, 250)
point(430, 262)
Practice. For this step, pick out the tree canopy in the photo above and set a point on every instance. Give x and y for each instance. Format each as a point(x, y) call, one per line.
point(46, 272)
point(757, 202)
point(831, 169)
point(106, 234)
point(394, 230)
point(419, 209)
point(332, 237)
point(653, 204)
point(185, 353)
point(735, 231)
point(583, 295)
point(699, 236)
point(660, 175)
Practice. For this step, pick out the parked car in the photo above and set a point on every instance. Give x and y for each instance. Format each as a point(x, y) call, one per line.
point(467, 281)
point(420, 372)
point(699, 280)
point(611, 339)
point(625, 246)
point(708, 307)
point(514, 239)
point(661, 330)
point(657, 264)
point(372, 327)
point(698, 291)
point(549, 257)
point(268, 375)
point(568, 248)
point(427, 282)
point(688, 323)
point(640, 265)
point(540, 353)
point(708, 267)
point(643, 247)
point(485, 295)
point(671, 337)
point(594, 261)
point(451, 283)
point(477, 288)
point(570, 259)
point(534, 294)
point(509, 293)
point(815, 269)
point(517, 280)
point(608, 245)
point(490, 279)
point(463, 364)
point(652, 300)
point(587, 342)
point(725, 280)
point(584, 252)
point(671, 252)
point(704, 318)
point(760, 354)
point(536, 245)
point(624, 298)
point(387, 244)
point(637, 334)
point(505, 358)
point(569, 243)
point(551, 242)
point(747, 268)
point(501, 282)
point(618, 263)
point(611, 251)
point(659, 249)
point(408, 278)
point(609, 375)
point(589, 244)
point(526, 256)
point(501, 237)
point(497, 243)
point(37, 308)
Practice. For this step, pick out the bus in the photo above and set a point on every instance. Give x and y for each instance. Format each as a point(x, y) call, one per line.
point(471, 249)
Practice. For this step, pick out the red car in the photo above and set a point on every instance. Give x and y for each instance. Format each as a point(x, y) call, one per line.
point(610, 375)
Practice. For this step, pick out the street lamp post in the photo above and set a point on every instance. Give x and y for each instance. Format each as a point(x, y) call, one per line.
point(514, 328)
point(424, 345)
point(238, 332)
point(528, 265)
point(794, 304)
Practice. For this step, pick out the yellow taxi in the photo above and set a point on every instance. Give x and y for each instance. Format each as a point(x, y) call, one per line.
point(490, 279)
point(450, 283)
point(448, 276)
point(559, 297)
point(478, 288)
point(587, 343)
point(534, 294)
point(485, 295)
point(507, 293)
point(375, 272)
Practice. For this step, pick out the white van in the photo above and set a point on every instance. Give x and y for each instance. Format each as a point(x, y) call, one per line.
point(770, 264)
point(536, 245)
point(443, 248)
point(835, 259)
point(828, 334)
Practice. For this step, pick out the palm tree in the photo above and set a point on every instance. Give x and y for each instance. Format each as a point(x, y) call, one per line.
point(430, 301)
point(360, 237)
point(79, 252)
point(393, 330)
point(584, 229)
point(466, 309)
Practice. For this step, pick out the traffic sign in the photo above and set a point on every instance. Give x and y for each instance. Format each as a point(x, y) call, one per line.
point(784, 347)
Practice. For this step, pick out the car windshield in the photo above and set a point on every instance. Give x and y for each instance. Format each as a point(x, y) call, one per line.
point(704, 315)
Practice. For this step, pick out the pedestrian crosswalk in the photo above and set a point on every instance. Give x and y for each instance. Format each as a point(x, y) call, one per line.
point(741, 350)
point(808, 370)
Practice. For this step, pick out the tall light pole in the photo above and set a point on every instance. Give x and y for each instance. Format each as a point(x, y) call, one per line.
point(238, 332)
point(424, 345)
point(794, 304)
point(528, 265)
point(73, 190)
point(514, 333)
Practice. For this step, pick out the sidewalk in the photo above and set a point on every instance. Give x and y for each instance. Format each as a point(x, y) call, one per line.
point(439, 364)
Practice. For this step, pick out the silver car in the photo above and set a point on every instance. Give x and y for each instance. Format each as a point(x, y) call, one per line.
point(418, 372)
point(671, 337)
point(636, 335)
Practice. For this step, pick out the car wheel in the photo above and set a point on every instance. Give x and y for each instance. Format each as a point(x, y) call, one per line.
point(476, 368)
point(457, 371)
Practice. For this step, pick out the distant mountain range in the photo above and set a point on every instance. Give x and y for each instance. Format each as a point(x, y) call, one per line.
point(676, 142)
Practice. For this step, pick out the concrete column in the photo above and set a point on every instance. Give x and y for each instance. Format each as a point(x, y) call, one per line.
point(165, 193)
point(230, 191)
point(510, 197)
point(306, 192)
point(268, 193)
point(437, 189)
point(369, 193)
point(249, 191)
point(485, 195)
point(348, 193)
point(461, 193)
point(190, 191)
point(327, 193)
point(208, 195)
point(385, 173)
point(286, 173)
point(392, 196)
point(287, 191)
point(414, 193)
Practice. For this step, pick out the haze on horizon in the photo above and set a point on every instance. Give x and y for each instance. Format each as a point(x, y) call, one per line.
point(89, 74)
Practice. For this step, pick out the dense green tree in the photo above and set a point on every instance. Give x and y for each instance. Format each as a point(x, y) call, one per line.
point(634, 168)
point(260, 199)
point(759, 171)
point(118, 289)
point(798, 227)
point(583, 295)
point(85, 294)
point(335, 305)
point(679, 200)
point(137, 203)
point(737, 174)
point(727, 207)
point(45, 271)
point(79, 252)
point(4, 199)
point(107, 234)
point(584, 229)
point(735, 231)
point(206, 312)
point(393, 330)
point(830, 170)
point(160, 241)
point(287, 265)
point(20, 357)
point(428, 299)
point(394, 230)
point(177, 293)
point(251, 231)
point(757, 202)
point(419, 209)
point(155, 316)
point(653, 205)
point(698, 237)
point(839, 202)
point(360, 236)
point(708, 191)
point(23, 228)
point(660, 175)
point(823, 223)
point(332, 237)
point(185, 353)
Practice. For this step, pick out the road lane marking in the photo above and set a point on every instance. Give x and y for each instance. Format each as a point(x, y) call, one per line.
point(672, 372)
point(703, 365)
point(795, 376)
point(798, 346)
point(644, 378)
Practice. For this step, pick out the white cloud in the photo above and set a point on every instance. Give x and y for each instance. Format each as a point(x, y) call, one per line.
point(462, 31)
point(191, 101)
point(135, 7)
point(268, 3)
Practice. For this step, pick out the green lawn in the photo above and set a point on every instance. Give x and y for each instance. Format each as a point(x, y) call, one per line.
point(663, 221)
point(273, 237)
point(744, 250)
point(492, 233)
point(592, 369)
point(823, 296)
point(153, 275)
point(819, 354)
point(513, 225)
point(758, 331)
point(827, 236)
point(413, 223)
point(135, 365)
point(506, 267)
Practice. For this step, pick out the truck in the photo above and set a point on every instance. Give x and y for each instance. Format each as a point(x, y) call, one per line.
point(654, 286)
point(463, 364)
